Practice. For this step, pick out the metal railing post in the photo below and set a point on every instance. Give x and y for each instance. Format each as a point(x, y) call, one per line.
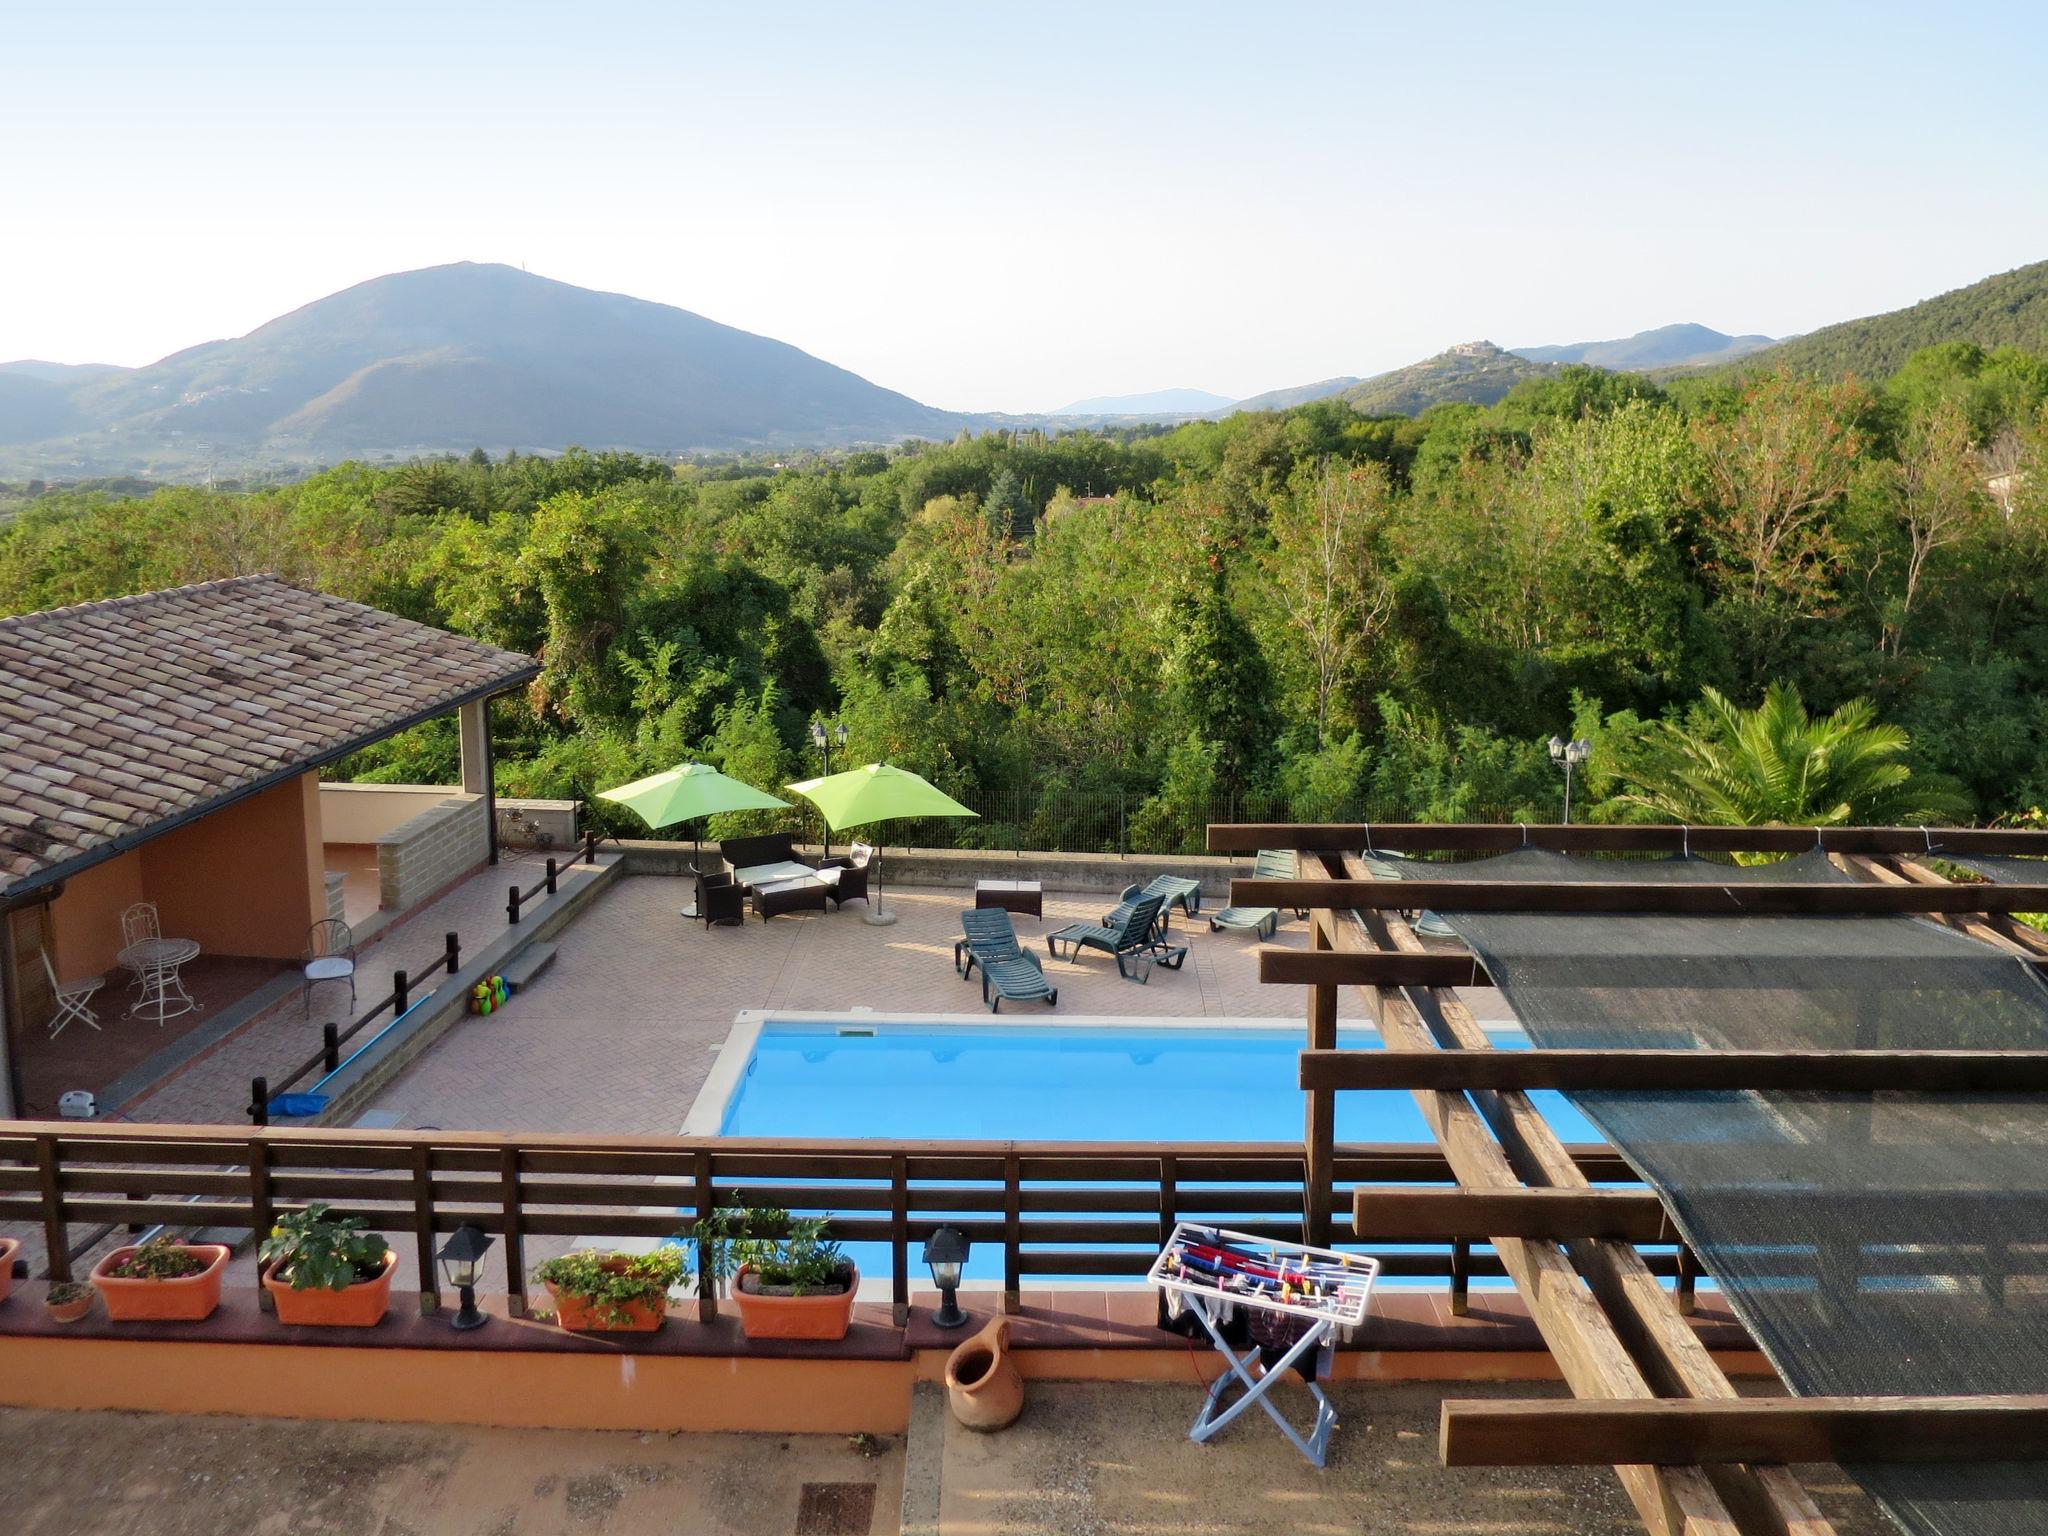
point(259, 1101)
point(454, 953)
point(401, 993)
point(551, 877)
point(330, 1045)
point(512, 906)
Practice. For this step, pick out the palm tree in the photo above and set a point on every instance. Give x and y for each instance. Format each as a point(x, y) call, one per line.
point(1776, 765)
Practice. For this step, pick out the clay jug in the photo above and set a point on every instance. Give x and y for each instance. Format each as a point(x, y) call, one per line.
point(982, 1384)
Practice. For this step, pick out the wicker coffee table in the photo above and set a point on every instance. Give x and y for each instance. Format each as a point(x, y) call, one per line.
point(1011, 895)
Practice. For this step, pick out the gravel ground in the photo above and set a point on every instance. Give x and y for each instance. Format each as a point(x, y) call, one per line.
point(129, 1474)
point(1093, 1459)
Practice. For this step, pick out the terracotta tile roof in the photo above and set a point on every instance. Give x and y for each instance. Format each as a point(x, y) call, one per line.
point(120, 715)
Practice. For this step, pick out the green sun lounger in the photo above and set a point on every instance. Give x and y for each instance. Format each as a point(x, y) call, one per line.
point(1271, 864)
point(1018, 981)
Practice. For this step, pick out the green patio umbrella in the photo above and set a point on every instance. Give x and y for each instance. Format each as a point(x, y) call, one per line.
point(876, 793)
point(689, 792)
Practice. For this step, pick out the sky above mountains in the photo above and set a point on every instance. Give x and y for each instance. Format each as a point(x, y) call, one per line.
point(996, 209)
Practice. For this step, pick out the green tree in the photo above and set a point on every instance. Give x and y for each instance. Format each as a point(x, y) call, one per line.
point(1777, 765)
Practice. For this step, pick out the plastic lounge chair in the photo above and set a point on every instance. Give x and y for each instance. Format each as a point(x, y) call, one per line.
point(1132, 938)
point(1277, 864)
point(1178, 891)
point(987, 936)
point(1271, 864)
point(1019, 980)
point(1260, 920)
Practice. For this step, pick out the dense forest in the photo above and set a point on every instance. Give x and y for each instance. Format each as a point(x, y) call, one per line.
point(1109, 639)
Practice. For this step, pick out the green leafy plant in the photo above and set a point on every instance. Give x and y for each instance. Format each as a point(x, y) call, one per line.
point(785, 1252)
point(1776, 765)
point(67, 1292)
point(315, 1250)
point(610, 1283)
point(161, 1258)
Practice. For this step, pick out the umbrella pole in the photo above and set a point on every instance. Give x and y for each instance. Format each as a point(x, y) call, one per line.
point(878, 918)
point(696, 858)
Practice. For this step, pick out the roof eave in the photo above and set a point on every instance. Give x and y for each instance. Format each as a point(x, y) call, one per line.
point(12, 895)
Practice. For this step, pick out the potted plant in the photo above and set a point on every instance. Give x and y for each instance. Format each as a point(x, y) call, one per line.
point(598, 1292)
point(9, 1247)
point(162, 1280)
point(327, 1270)
point(67, 1301)
point(788, 1281)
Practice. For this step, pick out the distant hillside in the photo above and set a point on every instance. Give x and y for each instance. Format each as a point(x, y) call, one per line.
point(1477, 372)
point(1160, 402)
point(2009, 310)
point(1668, 346)
point(1301, 394)
point(449, 358)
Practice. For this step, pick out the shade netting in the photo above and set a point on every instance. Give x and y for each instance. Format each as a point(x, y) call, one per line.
point(1890, 1243)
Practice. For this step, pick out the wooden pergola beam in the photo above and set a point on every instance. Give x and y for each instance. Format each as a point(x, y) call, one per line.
point(1676, 1071)
point(1329, 967)
point(1736, 900)
point(1679, 1433)
point(1432, 837)
point(1441, 1215)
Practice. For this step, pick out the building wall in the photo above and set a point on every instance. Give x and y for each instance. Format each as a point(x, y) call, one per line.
point(87, 917)
point(362, 813)
point(432, 851)
point(247, 880)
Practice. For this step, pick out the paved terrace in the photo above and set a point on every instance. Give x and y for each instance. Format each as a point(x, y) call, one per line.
point(619, 1034)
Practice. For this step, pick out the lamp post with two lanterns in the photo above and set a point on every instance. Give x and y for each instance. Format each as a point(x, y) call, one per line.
point(1569, 755)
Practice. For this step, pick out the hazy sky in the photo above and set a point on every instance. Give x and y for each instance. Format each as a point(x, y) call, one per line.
point(1008, 207)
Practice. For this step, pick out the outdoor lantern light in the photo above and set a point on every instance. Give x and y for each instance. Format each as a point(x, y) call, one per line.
point(946, 1252)
point(462, 1261)
point(1568, 755)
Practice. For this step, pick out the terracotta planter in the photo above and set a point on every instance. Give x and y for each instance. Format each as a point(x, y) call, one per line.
point(187, 1300)
point(810, 1316)
point(361, 1305)
point(9, 1247)
point(576, 1313)
point(68, 1311)
point(982, 1385)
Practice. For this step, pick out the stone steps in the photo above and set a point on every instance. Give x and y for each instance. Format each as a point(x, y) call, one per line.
point(519, 972)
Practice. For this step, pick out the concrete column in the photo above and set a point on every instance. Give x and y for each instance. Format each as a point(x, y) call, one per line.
point(474, 727)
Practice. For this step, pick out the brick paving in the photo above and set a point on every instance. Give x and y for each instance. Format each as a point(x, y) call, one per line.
point(619, 1034)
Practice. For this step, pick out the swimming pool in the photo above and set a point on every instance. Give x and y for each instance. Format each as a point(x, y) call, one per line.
point(1111, 1081)
point(1075, 1080)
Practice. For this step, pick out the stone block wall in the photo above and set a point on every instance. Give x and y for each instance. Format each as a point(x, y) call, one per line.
point(432, 851)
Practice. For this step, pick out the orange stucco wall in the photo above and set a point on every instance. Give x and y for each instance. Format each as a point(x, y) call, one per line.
point(86, 919)
point(247, 880)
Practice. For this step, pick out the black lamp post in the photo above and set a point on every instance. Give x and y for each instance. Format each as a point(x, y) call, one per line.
point(945, 1251)
point(462, 1261)
point(825, 738)
point(1568, 755)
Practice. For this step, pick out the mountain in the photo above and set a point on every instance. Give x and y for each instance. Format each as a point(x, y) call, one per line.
point(1160, 402)
point(1668, 346)
point(1477, 372)
point(454, 357)
point(1301, 394)
point(2009, 310)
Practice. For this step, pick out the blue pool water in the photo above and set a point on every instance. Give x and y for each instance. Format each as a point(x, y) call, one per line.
point(1002, 1082)
point(1040, 1083)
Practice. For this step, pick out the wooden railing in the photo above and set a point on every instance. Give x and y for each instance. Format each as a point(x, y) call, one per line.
point(328, 1059)
point(1052, 1208)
